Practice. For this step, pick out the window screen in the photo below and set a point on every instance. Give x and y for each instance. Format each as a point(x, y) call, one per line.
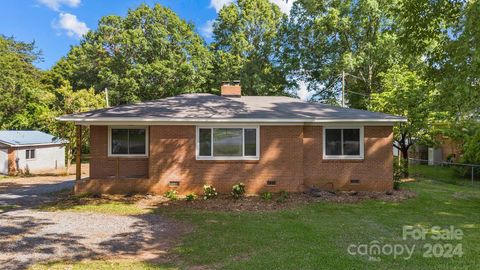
point(128, 141)
point(342, 142)
point(227, 142)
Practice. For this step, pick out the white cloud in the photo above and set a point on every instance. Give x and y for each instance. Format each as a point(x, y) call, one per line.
point(72, 25)
point(218, 4)
point(285, 5)
point(207, 29)
point(56, 4)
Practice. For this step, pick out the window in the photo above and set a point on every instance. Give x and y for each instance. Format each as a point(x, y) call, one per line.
point(128, 141)
point(30, 154)
point(343, 143)
point(227, 143)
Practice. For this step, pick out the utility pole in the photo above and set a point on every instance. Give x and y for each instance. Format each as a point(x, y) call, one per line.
point(343, 88)
point(106, 97)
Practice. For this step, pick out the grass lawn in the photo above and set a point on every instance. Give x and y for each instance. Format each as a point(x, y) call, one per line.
point(85, 203)
point(88, 265)
point(444, 174)
point(317, 235)
point(115, 208)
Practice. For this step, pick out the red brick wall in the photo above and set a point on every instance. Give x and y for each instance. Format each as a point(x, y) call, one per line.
point(104, 167)
point(374, 171)
point(289, 155)
point(172, 158)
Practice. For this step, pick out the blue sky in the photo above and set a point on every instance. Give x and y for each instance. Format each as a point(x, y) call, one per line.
point(55, 25)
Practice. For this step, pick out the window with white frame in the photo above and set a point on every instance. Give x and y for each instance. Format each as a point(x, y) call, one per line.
point(343, 143)
point(30, 154)
point(223, 143)
point(128, 141)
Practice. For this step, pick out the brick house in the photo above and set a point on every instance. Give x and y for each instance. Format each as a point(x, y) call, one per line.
point(269, 143)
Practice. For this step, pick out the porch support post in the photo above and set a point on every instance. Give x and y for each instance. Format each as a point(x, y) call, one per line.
point(78, 163)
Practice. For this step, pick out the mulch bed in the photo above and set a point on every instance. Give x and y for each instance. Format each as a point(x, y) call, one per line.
point(225, 203)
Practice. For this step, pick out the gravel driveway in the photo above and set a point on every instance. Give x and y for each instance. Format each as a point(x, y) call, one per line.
point(28, 236)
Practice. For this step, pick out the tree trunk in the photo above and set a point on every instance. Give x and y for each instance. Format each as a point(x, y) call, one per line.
point(404, 151)
point(69, 159)
point(404, 162)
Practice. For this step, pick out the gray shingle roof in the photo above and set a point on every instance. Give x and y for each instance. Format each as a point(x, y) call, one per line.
point(208, 107)
point(27, 137)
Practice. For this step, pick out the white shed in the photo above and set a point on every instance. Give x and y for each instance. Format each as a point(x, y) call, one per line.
point(30, 151)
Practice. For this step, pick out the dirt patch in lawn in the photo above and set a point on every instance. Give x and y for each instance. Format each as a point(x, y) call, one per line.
point(283, 201)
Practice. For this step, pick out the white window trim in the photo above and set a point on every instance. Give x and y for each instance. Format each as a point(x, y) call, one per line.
point(243, 157)
point(127, 155)
point(344, 157)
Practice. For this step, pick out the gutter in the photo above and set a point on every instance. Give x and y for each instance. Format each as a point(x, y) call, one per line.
point(164, 120)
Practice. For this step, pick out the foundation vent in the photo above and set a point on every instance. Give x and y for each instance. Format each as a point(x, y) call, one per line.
point(354, 181)
point(271, 183)
point(174, 183)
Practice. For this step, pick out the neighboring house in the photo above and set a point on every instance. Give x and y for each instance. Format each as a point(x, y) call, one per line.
point(30, 151)
point(267, 142)
point(447, 150)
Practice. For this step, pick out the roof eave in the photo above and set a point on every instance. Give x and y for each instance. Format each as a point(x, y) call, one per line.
point(89, 120)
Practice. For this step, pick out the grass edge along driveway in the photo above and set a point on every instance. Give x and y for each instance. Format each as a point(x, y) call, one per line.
point(317, 235)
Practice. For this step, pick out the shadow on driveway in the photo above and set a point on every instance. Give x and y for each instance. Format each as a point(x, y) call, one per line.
point(29, 236)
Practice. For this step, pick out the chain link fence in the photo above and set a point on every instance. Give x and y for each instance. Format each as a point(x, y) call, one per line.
point(450, 172)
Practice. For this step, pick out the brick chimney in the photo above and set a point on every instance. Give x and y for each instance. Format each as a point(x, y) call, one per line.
point(231, 89)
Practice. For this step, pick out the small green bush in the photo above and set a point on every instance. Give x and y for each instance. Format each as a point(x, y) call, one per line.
point(238, 190)
point(171, 194)
point(209, 192)
point(282, 196)
point(400, 169)
point(191, 197)
point(266, 196)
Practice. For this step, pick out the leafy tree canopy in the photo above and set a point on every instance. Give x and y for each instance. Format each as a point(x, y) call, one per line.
point(406, 93)
point(151, 53)
point(246, 47)
point(24, 98)
point(325, 38)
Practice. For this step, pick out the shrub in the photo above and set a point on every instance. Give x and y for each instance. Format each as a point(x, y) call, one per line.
point(471, 154)
point(282, 196)
point(266, 196)
point(238, 190)
point(171, 194)
point(400, 170)
point(209, 192)
point(191, 197)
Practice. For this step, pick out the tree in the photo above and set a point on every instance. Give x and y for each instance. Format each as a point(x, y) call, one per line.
point(406, 93)
point(457, 70)
point(324, 38)
point(68, 102)
point(151, 53)
point(24, 98)
point(246, 47)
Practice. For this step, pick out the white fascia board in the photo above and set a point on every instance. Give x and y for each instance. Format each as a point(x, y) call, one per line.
point(185, 121)
point(6, 143)
point(36, 144)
